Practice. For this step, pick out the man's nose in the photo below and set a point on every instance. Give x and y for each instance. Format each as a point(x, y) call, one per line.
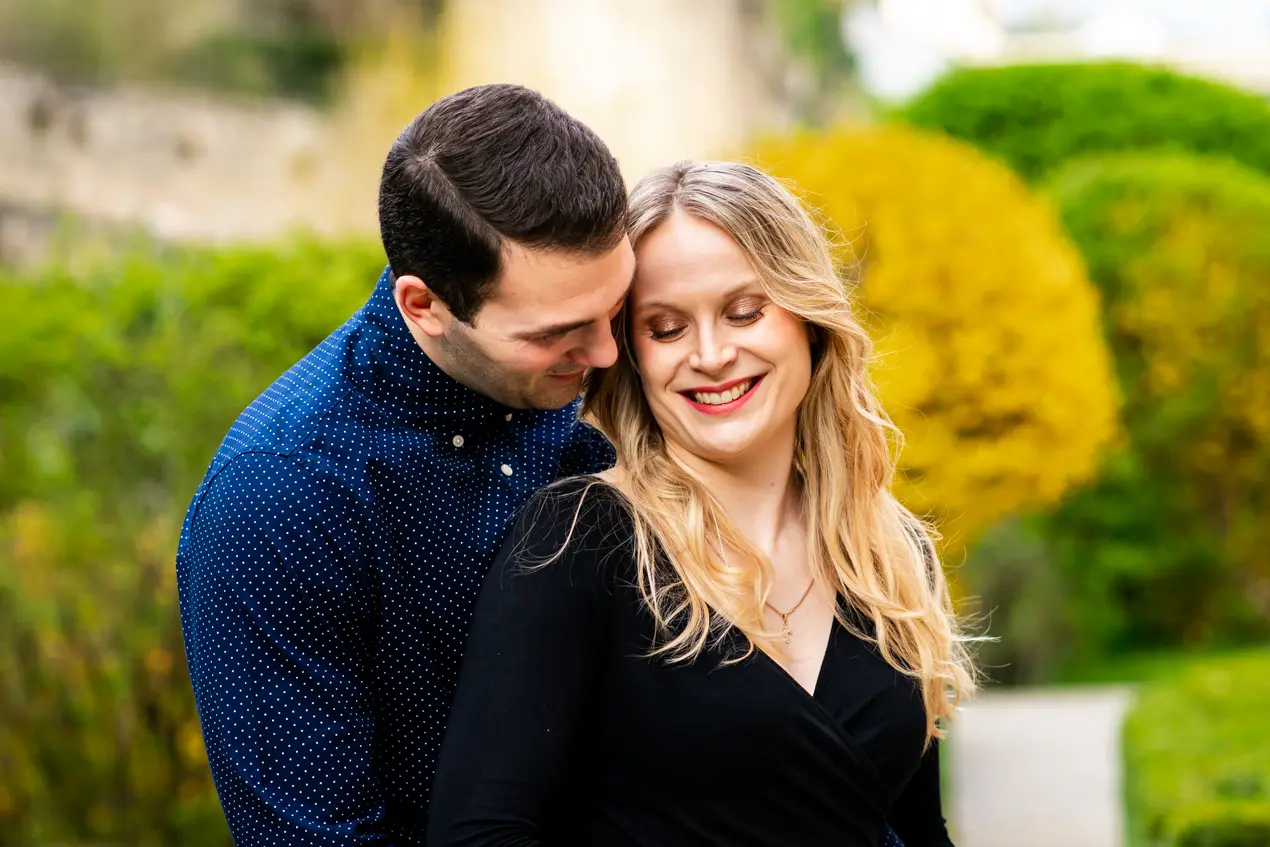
point(600, 350)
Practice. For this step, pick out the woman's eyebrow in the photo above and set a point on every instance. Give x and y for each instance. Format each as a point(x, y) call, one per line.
point(731, 292)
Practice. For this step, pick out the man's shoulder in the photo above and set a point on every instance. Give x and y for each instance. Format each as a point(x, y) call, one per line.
point(268, 449)
point(587, 452)
point(284, 416)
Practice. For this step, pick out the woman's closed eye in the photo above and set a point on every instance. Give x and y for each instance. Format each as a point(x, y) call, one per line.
point(670, 330)
point(666, 330)
point(746, 318)
point(746, 311)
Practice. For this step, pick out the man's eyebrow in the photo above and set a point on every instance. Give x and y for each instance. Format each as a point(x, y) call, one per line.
point(553, 329)
point(565, 328)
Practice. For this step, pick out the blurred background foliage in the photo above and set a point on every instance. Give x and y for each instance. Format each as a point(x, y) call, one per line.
point(277, 48)
point(1161, 562)
point(811, 30)
point(1197, 764)
point(113, 387)
point(301, 48)
point(1170, 546)
point(1037, 117)
point(1166, 547)
point(1065, 267)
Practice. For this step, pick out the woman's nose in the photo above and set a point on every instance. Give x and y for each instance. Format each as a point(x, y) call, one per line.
point(713, 354)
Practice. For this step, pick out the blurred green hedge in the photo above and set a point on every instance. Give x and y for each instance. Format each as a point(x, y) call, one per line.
point(1197, 757)
point(117, 381)
point(1170, 545)
point(1037, 116)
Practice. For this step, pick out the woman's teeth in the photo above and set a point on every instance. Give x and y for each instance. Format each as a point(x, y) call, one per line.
point(719, 398)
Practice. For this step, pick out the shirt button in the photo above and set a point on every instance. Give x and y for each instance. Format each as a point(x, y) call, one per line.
point(457, 441)
point(506, 469)
point(507, 418)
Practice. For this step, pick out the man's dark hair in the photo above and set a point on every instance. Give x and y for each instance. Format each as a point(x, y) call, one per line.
point(487, 164)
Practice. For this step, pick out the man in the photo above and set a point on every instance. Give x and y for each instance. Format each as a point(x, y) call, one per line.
point(330, 560)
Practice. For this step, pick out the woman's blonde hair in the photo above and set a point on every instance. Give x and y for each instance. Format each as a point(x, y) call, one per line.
point(868, 548)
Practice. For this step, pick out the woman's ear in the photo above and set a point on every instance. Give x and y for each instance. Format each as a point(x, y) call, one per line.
point(816, 338)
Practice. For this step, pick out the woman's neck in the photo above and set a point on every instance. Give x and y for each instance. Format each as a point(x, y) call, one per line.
point(760, 493)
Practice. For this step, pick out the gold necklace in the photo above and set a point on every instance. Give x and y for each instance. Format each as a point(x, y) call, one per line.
point(786, 632)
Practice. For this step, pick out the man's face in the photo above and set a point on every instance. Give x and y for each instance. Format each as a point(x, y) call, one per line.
point(547, 321)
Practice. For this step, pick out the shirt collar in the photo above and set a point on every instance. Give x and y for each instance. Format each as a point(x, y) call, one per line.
point(389, 364)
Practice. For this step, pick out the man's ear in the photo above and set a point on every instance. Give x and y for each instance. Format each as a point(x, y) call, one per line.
point(420, 306)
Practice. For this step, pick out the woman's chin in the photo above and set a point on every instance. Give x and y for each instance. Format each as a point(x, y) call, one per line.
point(727, 440)
point(732, 449)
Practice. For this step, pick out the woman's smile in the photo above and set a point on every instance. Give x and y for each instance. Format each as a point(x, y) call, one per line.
point(724, 398)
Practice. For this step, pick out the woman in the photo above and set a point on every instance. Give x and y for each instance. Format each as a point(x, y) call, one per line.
point(737, 635)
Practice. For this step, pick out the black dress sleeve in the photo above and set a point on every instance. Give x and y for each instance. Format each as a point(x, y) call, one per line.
point(533, 656)
point(917, 816)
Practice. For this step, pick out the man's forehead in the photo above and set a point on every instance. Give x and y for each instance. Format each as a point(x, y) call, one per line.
point(548, 288)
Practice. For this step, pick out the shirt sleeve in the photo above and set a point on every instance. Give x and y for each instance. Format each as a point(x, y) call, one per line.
point(917, 816)
point(274, 609)
point(533, 657)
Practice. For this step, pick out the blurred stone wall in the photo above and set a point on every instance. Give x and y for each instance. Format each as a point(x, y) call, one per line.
point(184, 167)
point(659, 80)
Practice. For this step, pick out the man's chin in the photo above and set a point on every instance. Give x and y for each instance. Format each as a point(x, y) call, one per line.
point(550, 397)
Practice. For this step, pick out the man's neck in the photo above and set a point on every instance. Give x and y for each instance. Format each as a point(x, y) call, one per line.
point(432, 348)
point(759, 493)
point(435, 350)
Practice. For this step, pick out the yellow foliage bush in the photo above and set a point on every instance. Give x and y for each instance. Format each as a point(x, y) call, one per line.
point(990, 354)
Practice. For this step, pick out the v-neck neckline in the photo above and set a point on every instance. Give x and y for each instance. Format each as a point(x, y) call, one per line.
point(812, 694)
point(814, 701)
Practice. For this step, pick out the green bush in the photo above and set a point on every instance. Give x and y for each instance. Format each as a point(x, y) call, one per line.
point(1197, 757)
point(1228, 824)
point(117, 381)
point(300, 64)
point(1037, 116)
point(1169, 546)
point(268, 52)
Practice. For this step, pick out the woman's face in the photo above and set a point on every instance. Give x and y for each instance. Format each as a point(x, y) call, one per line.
point(724, 369)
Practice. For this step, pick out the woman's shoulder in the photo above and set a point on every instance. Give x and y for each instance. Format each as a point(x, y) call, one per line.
point(579, 515)
point(591, 492)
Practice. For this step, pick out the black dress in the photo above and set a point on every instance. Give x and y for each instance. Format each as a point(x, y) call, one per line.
point(563, 732)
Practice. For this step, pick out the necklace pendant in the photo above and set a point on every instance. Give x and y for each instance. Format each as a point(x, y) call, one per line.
point(786, 632)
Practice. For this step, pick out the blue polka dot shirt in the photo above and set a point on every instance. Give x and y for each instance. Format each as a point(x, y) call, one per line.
point(327, 570)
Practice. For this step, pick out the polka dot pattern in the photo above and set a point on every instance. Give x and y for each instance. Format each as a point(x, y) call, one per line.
point(327, 571)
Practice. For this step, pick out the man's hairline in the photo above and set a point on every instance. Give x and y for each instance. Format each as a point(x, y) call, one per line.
point(494, 283)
